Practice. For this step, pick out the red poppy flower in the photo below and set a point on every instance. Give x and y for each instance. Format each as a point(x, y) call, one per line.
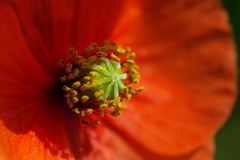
point(187, 64)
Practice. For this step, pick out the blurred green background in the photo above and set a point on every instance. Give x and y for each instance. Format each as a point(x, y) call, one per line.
point(228, 138)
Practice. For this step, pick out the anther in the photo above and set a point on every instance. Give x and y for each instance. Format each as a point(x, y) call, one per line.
point(68, 68)
point(84, 98)
point(93, 73)
point(121, 51)
point(91, 48)
point(116, 112)
point(76, 84)
point(76, 110)
point(87, 78)
point(71, 76)
point(131, 56)
point(83, 113)
point(76, 72)
point(98, 93)
point(66, 88)
point(115, 58)
point(140, 89)
point(128, 49)
point(74, 100)
point(89, 111)
point(91, 59)
point(73, 93)
point(63, 78)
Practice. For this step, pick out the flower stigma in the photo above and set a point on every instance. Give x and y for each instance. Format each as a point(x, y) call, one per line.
point(97, 81)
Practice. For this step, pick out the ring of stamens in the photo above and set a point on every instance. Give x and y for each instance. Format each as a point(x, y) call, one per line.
point(98, 81)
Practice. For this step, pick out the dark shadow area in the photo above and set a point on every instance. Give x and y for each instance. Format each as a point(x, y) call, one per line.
point(228, 139)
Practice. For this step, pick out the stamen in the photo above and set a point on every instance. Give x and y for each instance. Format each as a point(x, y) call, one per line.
point(84, 98)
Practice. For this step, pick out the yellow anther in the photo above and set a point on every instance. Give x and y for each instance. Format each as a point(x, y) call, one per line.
point(91, 48)
point(66, 88)
point(76, 72)
point(98, 93)
point(73, 93)
point(76, 84)
point(76, 110)
point(93, 74)
point(128, 97)
point(84, 98)
point(135, 80)
point(110, 103)
point(130, 87)
point(131, 56)
point(125, 64)
point(97, 122)
point(93, 84)
point(134, 73)
point(125, 90)
point(116, 100)
point(140, 89)
point(116, 112)
point(87, 78)
point(101, 112)
point(83, 113)
point(102, 69)
point(89, 111)
point(115, 58)
point(121, 51)
point(132, 92)
point(70, 103)
point(120, 105)
point(135, 67)
point(74, 100)
point(103, 105)
point(128, 49)
point(85, 87)
point(130, 62)
point(61, 63)
point(63, 78)
point(68, 68)
point(91, 59)
point(88, 86)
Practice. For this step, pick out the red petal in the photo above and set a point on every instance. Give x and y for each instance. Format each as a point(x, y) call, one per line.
point(51, 28)
point(187, 60)
point(28, 111)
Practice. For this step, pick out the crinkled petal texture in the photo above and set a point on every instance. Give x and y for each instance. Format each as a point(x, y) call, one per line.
point(187, 63)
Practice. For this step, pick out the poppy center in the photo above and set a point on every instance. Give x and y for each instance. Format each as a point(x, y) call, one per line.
point(98, 81)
